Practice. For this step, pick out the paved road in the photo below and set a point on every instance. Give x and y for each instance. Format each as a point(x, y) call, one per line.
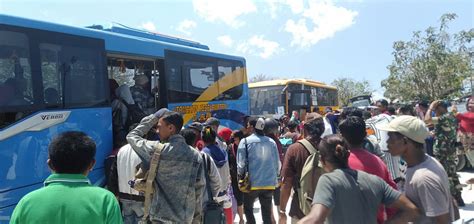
point(467, 212)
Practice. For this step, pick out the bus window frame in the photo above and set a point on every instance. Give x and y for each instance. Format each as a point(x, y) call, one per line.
point(176, 58)
point(35, 38)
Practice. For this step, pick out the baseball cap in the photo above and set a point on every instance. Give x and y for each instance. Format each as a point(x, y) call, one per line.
point(409, 126)
point(161, 112)
point(196, 126)
point(260, 125)
point(212, 121)
point(225, 134)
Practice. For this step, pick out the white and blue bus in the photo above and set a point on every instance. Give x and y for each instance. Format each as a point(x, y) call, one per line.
point(55, 78)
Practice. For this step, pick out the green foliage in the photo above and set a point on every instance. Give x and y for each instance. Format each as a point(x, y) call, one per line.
point(432, 65)
point(260, 77)
point(348, 88)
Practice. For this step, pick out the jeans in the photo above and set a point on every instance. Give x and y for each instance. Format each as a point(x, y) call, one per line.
point(265, 198)
point(132, 211)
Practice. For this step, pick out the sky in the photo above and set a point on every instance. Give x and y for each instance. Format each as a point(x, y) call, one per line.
point(315, 39)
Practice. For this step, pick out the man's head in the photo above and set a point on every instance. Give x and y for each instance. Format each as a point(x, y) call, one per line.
point(423, 105)
point(406, 109)
point(353, 130)
point(391, 110)
point(313, 125)
point(292, 125)
point(197, 128)
point(72, 152)
point(351, 111)
point(189, 136)
point(169, 124)
point(382, 105)
point(271, 127)
point(405, 135)
point(441, 108)
point(141, 80)
point(213, 123)
point(250, 127)
point(259, 126)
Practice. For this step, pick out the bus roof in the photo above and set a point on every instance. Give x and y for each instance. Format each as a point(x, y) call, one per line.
point(284, 82)
point(123, 40)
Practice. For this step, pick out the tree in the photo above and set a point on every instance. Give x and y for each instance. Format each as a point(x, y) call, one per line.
point(348, 88)
point(432, 65)
point(260, 77)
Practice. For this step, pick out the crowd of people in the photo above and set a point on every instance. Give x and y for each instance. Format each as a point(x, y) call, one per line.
point(356, 166)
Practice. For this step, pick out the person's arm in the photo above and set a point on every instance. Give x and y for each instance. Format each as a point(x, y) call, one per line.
point(285, 192)
point(317, 215)
point(114, 215)
point(140, 145)
point(428, 117)
point(199, 189)
point(288, 173)
point(441, 219)
point(242, 157)
point(407, 211)
point(214, 176)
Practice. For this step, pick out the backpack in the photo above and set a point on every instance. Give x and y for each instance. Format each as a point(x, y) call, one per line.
point(111, 174)
point(310, 174)
point(118, 128)
point(144, 181)
point(285, 143)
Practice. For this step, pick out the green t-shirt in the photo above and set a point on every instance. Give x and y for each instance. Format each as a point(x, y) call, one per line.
point(67, 198)
point(353, 196)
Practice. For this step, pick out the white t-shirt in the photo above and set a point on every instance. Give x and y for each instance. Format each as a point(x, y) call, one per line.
point(427, 186)
point(127, 161)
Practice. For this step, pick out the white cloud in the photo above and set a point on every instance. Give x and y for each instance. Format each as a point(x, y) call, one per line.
point(297, 6)
point(325, 18)
point(186, 26)
point(225, 40)
point(150, 26)
point(257, 45)
point(226, 11)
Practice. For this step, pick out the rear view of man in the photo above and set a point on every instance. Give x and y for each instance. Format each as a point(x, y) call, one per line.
point(67, 195)
point(354, 133)
point(293, 165)
point(179, 183)
point(259, 155)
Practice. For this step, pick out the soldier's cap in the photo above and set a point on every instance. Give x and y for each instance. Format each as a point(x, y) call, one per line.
point(444, 104)
point(196, 126)
point(212, 121)
point(409, 126)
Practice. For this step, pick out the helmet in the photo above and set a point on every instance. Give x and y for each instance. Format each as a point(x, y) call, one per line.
point(271, 126)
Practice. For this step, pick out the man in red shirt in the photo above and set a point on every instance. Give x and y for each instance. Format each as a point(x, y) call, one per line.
point(353, 131)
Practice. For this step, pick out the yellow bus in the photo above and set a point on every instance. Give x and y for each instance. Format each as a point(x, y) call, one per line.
point(286, 95)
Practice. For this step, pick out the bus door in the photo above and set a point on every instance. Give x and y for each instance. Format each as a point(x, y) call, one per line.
point(299, 100)
point(142, 76)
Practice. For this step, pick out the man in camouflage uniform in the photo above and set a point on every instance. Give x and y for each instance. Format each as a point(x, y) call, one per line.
point(444, 148)
point(141, 96)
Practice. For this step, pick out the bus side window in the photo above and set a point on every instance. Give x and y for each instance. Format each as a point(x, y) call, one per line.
point(52, 87)
point(16, 87)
